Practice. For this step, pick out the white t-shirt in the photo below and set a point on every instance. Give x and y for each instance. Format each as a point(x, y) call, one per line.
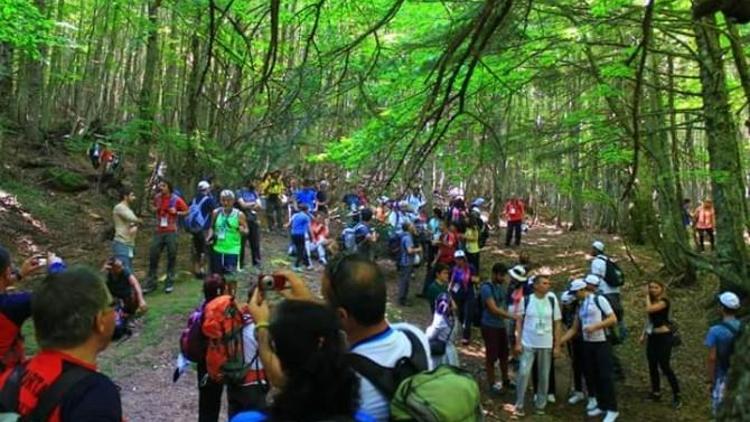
point(250, 353)
point(538, 328)
point(599, 268)
point(589, 314)
point(385, 349)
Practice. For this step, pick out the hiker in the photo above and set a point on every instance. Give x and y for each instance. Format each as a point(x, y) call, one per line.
point(218, 314)
point(720, 341)
point(248, 201)
point(612, 292)
point(493, 295)
point(228, 225)
point(319, 383)
point(659, 339)
point(448, 244)
point(124, 286)
point(594, 317)
point(168, 207)
point(299, 226)
point(201, 208)
point(407, 255)
point(441, 332)
point(415, 199)
point(15, 307)
point(273, 188)
point(365, 236)
point(705, 222)
point(352, 201)
point(538, 334)
point(307, 195)
point(319, 240)
point(431, 243)
point(439, 285)
point(463, 278)
point(66, 363)
point(321, 197)
point(569, 304)
point(516, 292)
point(471, 237)
point(126, 228)
point(514, 213)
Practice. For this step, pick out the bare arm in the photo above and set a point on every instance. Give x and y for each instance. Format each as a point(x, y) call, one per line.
point(654, 307)
point(572, 331)
point(243, 224)
point(494, 309)
point(711, 365)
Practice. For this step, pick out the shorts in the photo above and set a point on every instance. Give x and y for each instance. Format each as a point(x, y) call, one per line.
point(200, 246)
point(495, 343)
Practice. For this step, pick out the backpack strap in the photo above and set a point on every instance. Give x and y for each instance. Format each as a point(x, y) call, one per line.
point(387, 380)
point(12, 389)
point(64, 386)
point(735, 331)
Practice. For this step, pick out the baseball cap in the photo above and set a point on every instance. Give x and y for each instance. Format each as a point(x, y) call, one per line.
point(577, 285)
point(568, 298)
point(518, 272)
point(203, 185)
point(729, 300)
point(459, 254)
point(598, 245)
point(592, 279)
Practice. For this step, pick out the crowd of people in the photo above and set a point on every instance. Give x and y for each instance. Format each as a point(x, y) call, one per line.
point(282, 354)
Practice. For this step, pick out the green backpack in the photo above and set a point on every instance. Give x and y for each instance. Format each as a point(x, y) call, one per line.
point(444, 394)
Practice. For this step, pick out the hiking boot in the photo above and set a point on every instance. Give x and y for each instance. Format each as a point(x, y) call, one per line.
point(169, 287)
point(611, 416)
point(576, 397)
point(551, 398)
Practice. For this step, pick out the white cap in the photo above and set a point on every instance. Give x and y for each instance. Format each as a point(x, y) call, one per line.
point(598, 245)
point(729, 300)
point(203, 185)
point(592, 279)
point(567, 298)
point(518, 272)
point(459, 254)
point(577, 285)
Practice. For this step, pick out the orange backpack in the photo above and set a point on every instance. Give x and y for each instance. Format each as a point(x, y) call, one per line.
point(222, 325)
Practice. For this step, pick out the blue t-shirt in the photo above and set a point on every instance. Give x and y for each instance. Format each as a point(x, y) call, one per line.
point(406, 259)
point(247, 195)
point(351, 200)
point(300, 224)
point(497, 292)
point(361, 231)
point(306, 196)
point(255, 416)
point(721, 338)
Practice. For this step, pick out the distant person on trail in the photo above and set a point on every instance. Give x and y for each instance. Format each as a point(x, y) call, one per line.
point(594, 317)
point(123, 285)
point(705, 222)
point(720, 341)
point(228, 225)
point(15, 307)
point(514, 213)
point(307, 195)
point(205, 202)
point(248, 201)
point(319, 383)
point(463, 278)
point(352, 202)
point(659, 339)
point(365, 236)
point(493, 294)
point(321, 197)
point(433, 234)
point(407, 252)
point(126, 228)
point(61, 383)
point(448, 243)
point(273, 188)
point(320, 237)
point(471, 237)
point(299, 226)
point(612, 293)
point(441, 332)
point(438, 285)
point(168, 207)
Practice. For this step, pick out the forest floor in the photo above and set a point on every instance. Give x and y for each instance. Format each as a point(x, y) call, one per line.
point(34, 218)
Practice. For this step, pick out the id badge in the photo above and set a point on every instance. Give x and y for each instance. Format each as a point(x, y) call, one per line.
point(456, 287)
point(221, 235)
point(163, 222)
point(512, 211)
point(130, 253)
point(540, 328)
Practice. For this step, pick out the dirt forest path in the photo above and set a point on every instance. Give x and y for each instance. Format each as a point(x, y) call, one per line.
point(143, 365)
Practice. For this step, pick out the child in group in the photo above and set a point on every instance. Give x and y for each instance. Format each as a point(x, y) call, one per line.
point(441, 334)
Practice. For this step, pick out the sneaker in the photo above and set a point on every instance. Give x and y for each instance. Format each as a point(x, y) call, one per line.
point(539, 411)
point(310, 268)
point(496, 388)
point(611, 416)
point(323, 261)
point(168, 288)
point(551, 398)
point(576, 397)
point(592, 404)
point(148, 287)
point(595, 412)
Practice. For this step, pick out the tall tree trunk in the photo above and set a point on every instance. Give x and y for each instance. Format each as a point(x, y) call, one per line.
point(6, 78)
point(34, 71)
point(725, 167)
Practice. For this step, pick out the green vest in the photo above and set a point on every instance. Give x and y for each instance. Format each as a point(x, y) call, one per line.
point(227, 232)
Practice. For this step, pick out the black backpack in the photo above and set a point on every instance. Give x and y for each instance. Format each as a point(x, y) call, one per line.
point(724, 356)
point(66, 385)
point(613, 274)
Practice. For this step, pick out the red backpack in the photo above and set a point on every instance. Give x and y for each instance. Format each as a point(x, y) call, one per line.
point(11, 343)
point(223, 323)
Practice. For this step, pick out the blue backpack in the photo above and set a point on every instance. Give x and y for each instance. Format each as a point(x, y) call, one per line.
point(349, 238)
point(195, 221)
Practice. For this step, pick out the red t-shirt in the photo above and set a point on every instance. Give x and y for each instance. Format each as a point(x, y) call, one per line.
point(166, 222)
point(514, 210)
point(447, 248)
point(319, 231)
point(98, 401)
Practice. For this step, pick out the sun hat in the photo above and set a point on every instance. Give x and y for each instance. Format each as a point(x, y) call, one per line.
point(598, 245)
point(577, 285)
point(459, 254)
point(592, 279)
point(518, 273)
point(729, 300)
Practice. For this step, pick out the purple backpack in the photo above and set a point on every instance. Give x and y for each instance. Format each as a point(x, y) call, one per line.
point(193, 343)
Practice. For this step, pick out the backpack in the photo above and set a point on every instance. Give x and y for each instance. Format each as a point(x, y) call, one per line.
point(616, 334)
point(724, 359)
point(222, 326)
point(613, 274)
point(349, 238)
point(192, 342)
point(416, 394)
point(195, 221)
point(64, 386)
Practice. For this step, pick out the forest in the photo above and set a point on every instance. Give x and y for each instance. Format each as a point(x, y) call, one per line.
point(604, 115)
